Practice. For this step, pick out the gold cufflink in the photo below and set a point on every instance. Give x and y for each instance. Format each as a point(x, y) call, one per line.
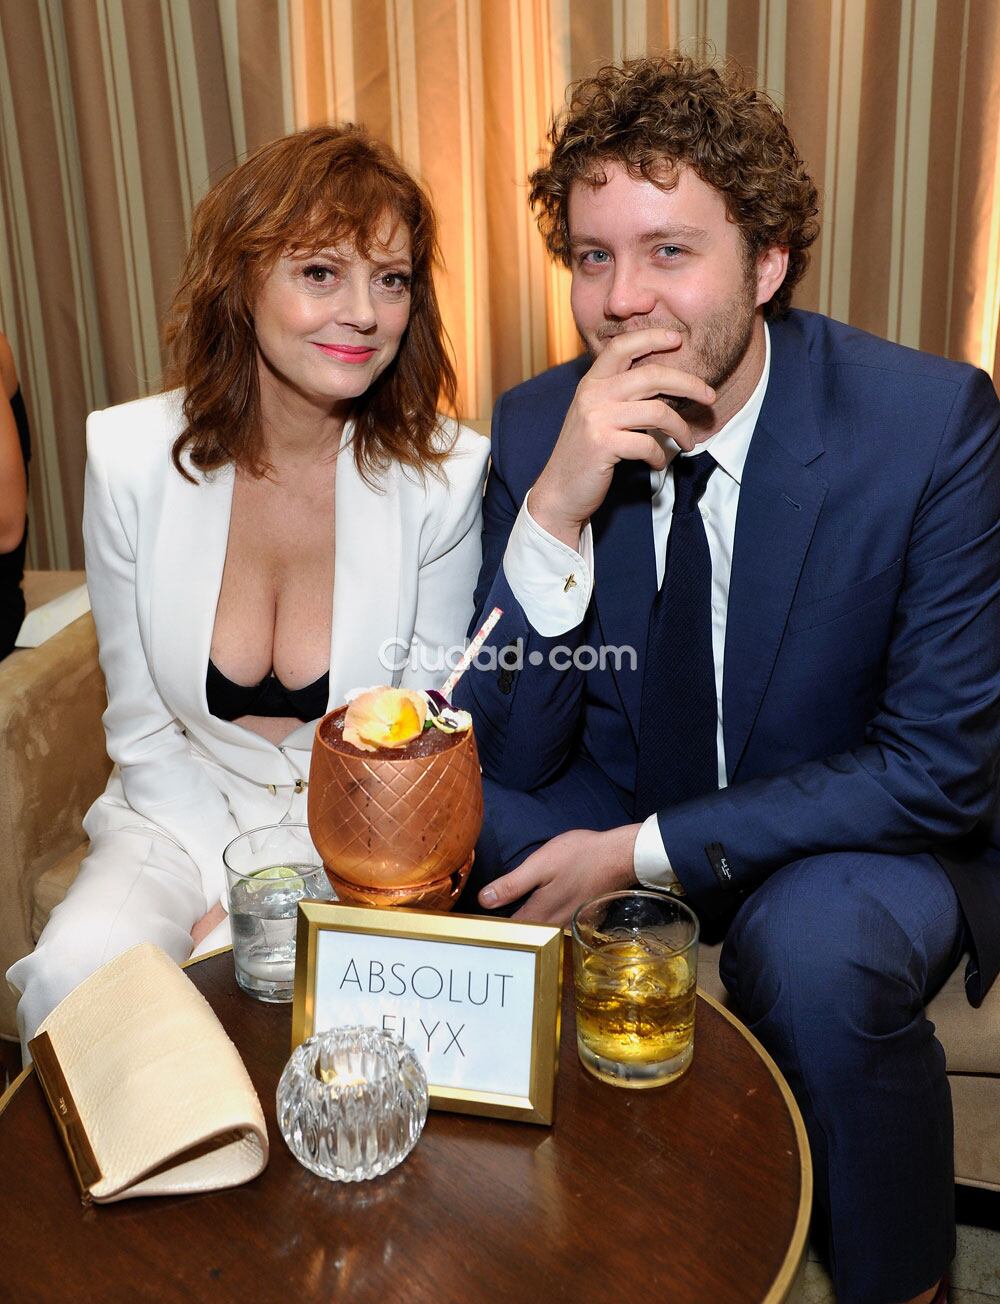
point(570, 583)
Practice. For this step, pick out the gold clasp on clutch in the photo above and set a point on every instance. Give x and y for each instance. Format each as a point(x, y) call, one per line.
point(69, 1123)
point(300, 785)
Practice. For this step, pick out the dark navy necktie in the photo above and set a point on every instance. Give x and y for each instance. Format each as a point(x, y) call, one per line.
point(678, 753)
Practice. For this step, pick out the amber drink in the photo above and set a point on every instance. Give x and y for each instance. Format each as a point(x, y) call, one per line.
point(635, 958)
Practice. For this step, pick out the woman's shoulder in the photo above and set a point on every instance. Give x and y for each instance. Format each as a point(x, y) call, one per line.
point(158, 417)
point(462, 436)
point(138, 434)
point(467, 452)
point(456, 476)
point(447, 499)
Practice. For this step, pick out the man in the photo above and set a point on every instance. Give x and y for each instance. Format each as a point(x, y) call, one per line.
point(750, 646)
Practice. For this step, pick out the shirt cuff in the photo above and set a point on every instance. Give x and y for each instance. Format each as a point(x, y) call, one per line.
point(552, 582)
point(649, 858)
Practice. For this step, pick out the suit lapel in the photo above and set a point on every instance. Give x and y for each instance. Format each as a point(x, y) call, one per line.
point(189, 558)
point(366, 586)
point(625, 575)
point(368, 566)
point(780, 501)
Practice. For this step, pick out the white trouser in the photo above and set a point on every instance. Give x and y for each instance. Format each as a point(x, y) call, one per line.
point(133, 886)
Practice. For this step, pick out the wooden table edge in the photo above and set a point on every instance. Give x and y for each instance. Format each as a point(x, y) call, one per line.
point(8, 1095)
point(788, 1272)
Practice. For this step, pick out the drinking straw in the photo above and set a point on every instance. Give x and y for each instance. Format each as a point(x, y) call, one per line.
point(470, 653)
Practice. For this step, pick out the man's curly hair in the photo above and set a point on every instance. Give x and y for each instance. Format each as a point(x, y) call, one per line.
point(651, 114)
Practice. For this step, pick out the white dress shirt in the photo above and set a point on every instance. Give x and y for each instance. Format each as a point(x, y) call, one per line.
point(538, 566)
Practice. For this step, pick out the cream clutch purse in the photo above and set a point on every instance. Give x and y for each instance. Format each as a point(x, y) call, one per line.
point(148, 1093)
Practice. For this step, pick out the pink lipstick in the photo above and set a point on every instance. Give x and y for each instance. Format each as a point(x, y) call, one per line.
point(353, 354)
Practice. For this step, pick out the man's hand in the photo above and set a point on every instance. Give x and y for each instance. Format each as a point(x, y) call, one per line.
point(567, 871)
point(614, 407)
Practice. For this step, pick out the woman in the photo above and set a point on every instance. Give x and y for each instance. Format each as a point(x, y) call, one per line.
point(258, 537)
point(14, 453)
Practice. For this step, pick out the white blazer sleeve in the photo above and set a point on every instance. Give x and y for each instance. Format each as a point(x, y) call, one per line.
point(451, 553)
point(163, 782)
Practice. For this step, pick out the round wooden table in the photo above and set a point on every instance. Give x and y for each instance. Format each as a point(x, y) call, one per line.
point(699, 1191)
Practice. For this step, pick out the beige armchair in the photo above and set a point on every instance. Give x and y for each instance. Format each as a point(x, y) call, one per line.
point(54, 765)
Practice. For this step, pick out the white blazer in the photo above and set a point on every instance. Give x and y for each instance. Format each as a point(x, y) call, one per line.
point(406, 558)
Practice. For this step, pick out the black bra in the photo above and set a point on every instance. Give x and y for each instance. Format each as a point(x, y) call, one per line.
point(228, 701)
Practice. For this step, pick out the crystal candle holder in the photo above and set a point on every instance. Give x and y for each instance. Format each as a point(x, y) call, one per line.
point(352, 1103)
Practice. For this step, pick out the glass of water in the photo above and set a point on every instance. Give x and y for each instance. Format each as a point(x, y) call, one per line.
point(268, 872)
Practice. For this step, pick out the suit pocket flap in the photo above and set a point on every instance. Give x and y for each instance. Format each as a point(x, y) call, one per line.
point(819, 611)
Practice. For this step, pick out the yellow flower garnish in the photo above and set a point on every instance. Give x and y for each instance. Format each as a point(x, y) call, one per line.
point(384, 717)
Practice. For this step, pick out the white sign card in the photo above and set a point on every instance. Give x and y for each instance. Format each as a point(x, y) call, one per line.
point(477, 999)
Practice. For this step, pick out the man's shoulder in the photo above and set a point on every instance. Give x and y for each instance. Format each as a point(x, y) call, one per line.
point(833, 343)
point(550, 392)
point(527, 419)
point(834, 387)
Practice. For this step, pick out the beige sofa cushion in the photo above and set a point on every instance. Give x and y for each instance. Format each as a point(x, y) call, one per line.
point(971, 1038)
point(42, 586)
point(975, 1100)
point(53, 764)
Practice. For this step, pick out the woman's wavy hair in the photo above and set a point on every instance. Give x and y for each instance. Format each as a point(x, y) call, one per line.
point(305, 192)
point(651, 114)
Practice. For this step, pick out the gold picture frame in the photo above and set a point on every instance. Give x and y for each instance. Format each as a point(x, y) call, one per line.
point(533, 949)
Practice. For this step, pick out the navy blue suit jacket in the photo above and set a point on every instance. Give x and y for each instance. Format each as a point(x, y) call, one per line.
point(861, 692)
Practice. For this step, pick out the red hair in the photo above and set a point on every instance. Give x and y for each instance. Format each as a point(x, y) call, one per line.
point(325, 186)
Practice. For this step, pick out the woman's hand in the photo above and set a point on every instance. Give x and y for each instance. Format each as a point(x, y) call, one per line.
point(207, 922)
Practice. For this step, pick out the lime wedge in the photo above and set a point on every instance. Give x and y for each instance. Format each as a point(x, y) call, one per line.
point(272, 872)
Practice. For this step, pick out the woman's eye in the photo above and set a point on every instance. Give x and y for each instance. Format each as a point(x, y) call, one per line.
point(596, 257)
point(394, 284)
point(317, 274)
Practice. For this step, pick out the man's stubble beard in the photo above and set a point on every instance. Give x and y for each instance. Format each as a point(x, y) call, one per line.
point(721, 345)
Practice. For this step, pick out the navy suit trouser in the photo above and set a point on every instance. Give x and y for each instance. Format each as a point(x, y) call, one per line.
point(830, 962)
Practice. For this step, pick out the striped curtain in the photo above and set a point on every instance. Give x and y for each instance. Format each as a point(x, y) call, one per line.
point(115, 115)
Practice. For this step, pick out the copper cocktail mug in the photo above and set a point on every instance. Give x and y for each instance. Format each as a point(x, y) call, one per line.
point(392, 830)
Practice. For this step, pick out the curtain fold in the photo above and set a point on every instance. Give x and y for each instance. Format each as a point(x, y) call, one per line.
point(115, 116)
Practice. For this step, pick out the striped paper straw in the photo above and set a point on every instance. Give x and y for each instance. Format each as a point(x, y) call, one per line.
point(471, 652)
